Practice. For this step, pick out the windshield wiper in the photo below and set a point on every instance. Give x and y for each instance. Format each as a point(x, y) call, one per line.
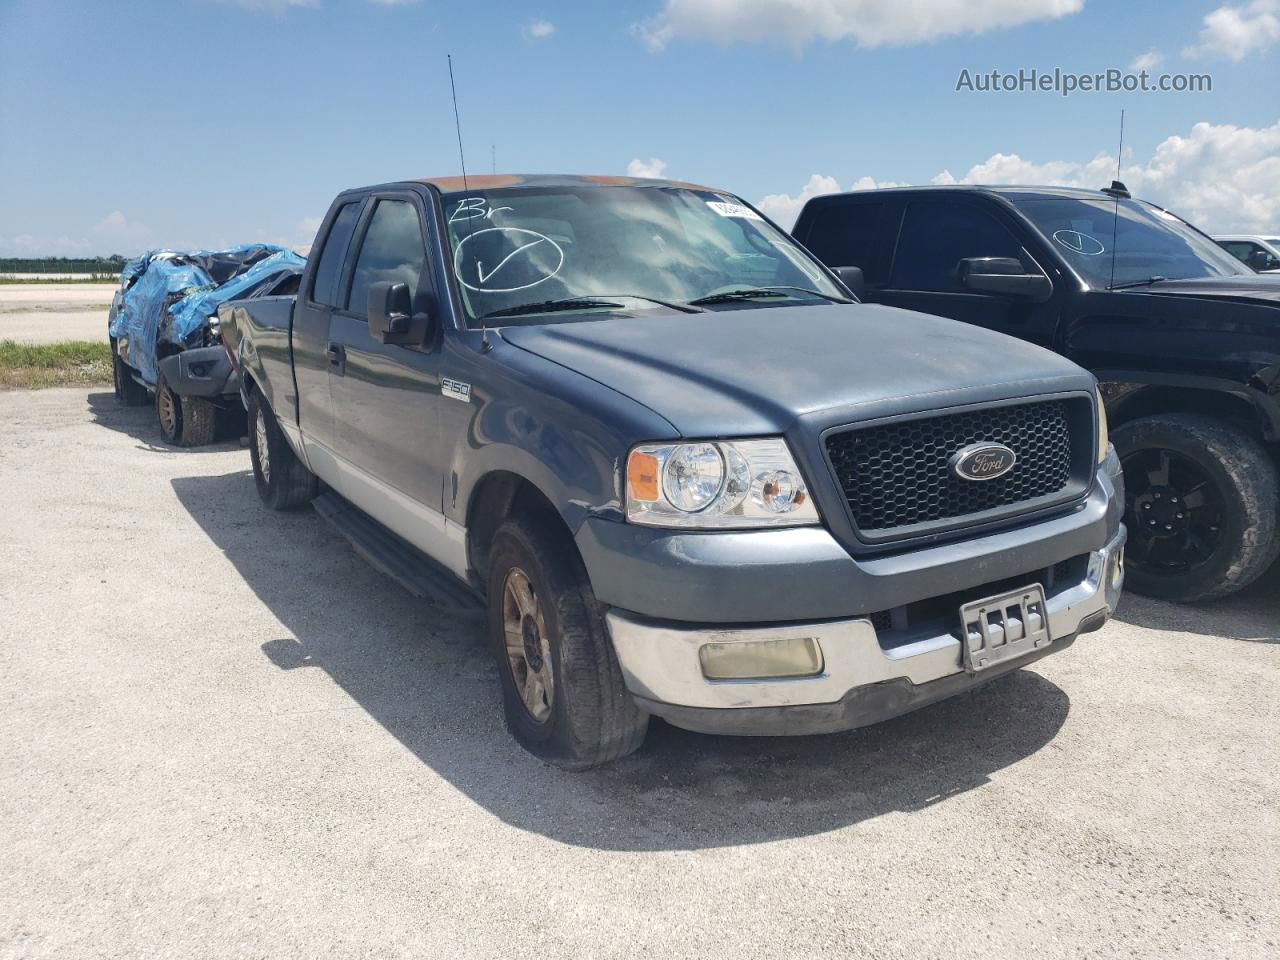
point(1137, 283)
point(550, 306)
point(583, 303)
point(756, 293)
point(729, 296)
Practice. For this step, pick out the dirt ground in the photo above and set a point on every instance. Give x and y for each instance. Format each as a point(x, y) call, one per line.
point(51, 312)
point(225, 735)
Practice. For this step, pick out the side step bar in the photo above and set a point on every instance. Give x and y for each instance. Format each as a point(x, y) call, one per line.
point(396, 557)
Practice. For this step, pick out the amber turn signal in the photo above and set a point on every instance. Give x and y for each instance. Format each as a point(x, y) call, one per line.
point(642, 476)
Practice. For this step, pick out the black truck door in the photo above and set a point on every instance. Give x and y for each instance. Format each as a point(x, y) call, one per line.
point(934, 237)
point(313, 313)
point(387, 396)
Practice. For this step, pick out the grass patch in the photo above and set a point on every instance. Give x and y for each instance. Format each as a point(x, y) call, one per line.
point(30, 366)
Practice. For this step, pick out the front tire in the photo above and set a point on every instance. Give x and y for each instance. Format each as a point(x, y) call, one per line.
point(283, 482)
point(1201, 498)
point(562, 688)
point(184, 421)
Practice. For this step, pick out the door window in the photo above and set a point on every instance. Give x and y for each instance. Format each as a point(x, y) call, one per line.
point(936, 236)
point(393, 250)
point(846, 235)
point(329, 269)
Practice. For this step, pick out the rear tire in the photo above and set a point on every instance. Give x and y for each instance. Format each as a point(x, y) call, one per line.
point(283, 482)
point(544, 622)
point(1201, 503)
point(128, 391)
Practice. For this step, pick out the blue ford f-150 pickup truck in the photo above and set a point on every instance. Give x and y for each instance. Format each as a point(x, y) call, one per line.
point(687, 473)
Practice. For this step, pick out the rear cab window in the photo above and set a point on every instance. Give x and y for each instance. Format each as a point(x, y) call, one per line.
point(324, 288)
point(848, 234)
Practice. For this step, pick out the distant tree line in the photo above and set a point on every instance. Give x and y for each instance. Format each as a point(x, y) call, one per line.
point(112, 264)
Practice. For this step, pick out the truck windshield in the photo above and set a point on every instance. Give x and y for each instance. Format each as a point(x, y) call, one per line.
point(1148, 242)
point(554, 249)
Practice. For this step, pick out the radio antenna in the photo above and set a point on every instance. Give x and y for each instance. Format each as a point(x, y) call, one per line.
point(1115, 223)
point(462, 160)
point(457, 124)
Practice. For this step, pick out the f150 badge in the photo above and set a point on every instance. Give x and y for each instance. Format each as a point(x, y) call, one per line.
point(456, 389)
point(983, 461)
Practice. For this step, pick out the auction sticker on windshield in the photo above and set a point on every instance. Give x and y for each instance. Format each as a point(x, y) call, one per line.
point(733, 210)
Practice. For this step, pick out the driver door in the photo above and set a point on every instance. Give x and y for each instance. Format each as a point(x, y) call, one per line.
point(386, 396)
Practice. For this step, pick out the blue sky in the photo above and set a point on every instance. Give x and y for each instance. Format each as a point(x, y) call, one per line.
point(210, 122)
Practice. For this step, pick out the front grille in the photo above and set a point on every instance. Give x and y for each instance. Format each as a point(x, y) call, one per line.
point(898, 475)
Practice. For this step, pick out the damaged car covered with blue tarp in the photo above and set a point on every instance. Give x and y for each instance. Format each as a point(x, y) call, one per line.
point(164, 334)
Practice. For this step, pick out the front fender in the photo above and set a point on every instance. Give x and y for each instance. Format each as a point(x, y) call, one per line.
point(562, 432)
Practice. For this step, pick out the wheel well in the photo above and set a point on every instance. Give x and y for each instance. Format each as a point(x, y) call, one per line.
point(497, 496)
point(1129, 401)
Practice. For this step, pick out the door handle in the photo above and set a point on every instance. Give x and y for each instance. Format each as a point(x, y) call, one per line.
point(337, 355)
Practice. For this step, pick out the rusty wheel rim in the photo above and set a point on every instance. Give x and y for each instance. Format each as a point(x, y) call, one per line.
point(167, 409)
point(528, 648)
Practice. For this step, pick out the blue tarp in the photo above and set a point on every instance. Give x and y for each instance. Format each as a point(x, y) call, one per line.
point(191, 311)
point(163, 273)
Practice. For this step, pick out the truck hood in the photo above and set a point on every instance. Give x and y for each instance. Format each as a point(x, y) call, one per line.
point(757, 371)
point(1260, 288)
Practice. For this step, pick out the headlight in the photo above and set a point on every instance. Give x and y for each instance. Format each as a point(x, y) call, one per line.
point(717, 484)
point(1104, 439)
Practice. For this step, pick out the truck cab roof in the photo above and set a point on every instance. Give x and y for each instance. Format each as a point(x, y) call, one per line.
point(498, 181)
point(1013, 192)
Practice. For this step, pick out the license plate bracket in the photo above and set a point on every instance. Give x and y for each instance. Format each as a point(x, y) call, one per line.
point(1003, 627)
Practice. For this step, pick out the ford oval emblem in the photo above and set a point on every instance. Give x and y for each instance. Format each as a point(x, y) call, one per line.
point(983, 461)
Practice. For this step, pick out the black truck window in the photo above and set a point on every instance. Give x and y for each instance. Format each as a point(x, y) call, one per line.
point(329, 269)
point(393, 250)
point(936, 236)
point(847, 235)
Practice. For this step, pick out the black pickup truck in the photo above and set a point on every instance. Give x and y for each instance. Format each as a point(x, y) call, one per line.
point(686, 473)
point(1184, 339)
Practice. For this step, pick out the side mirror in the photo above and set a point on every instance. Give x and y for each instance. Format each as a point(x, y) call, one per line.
point(1261, 260)
point(389, 312)
point(853, 279)
point(1004, 276)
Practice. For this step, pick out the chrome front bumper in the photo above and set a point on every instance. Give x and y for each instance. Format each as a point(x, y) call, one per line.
point(861, 682)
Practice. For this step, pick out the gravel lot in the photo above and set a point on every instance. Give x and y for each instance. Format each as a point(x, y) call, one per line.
point(225, 735)
point(51, 312)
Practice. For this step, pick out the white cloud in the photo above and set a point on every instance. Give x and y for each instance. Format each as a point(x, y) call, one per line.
point(871, 23)
point(1235, 32)
point(539, 29)
point(653, 167)
point(1222, 178)
point(1146, 61)
point(784, 208)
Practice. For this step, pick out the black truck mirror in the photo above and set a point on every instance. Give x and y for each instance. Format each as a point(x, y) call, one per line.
point(1261, 260)
point(1004, 276)
point(853, 279)
point(389, 312)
